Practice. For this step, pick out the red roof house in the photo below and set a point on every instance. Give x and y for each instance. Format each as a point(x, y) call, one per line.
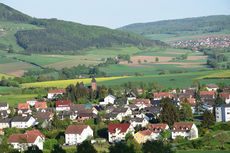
point(63, 105)
point(157, 128)
point(141, 101)
point(40, 105)
point(23, 106)
point(207, 93)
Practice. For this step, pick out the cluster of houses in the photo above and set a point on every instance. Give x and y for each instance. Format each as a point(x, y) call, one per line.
point(215, 42)
point(130, 111)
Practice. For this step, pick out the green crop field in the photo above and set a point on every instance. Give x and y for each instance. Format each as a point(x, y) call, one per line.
point(6, 90)
point(4, 75)
point(15, 99)
point(40, 60)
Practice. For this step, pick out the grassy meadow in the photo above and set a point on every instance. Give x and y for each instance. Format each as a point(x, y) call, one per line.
point(15, 99)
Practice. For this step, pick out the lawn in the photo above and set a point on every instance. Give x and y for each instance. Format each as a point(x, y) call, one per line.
point(217, 74)
point(14, 99)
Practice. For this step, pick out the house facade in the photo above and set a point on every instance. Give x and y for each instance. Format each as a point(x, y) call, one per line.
point(108, 100)
point(22, 121)
point(143, 136)
point(23, 141)
point(76, 134)
point(118, 131)
point(4, 106)
point(157, 129)
point(54, 93)
point(186, 130)
point(63, 105)
point(223, 113)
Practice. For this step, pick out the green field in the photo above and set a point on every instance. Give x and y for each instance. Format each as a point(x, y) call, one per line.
point(6, 90)
point(15, 99)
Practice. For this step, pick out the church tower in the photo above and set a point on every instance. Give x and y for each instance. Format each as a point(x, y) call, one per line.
point(93, 84)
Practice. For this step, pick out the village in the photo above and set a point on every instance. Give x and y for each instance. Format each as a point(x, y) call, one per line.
point(130, 115)
point(211, 41)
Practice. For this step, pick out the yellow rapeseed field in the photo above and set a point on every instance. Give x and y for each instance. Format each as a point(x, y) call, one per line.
point(65, 83)
point(220, 74)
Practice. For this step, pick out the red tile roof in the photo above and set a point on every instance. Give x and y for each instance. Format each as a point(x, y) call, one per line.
point(225, 95)
point(75, 129)
point(58, 91)
point(23, 138)
point(63, 103)
point(23, 106)
point(121, 126)
point(35, 132)
point(162, 94)
point(141, 101)
point(145, 132)
point(157, 128)
point(207, 93)
point(181, 127)
point(40, 105)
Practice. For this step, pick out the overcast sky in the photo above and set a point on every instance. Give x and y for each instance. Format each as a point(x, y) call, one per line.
point(117, 13)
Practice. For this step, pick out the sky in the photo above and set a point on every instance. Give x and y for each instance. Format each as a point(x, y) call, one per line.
point(118, 13)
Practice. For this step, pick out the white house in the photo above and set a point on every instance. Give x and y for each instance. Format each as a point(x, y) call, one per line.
point(54, 93)
point(32, 102)
point(138, 121)
point(108, 100)
point(186, 130)
point(23, 141)
point(112, 116)
point(23, 121)
point(4, 106)
point(123, 111)
point(118, 131)
point(157, 129)
point(76, 134)
point(4, 123)
point(223, 113)
point(225, 96)
point(212, 87)
point(63, 105)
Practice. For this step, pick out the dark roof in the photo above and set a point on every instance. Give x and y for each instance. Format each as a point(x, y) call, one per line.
point(42, 116)
point(110, 115)
point(136, 119)
point(98, 108)
point(21, 118)
point(3, 104)
point(75, 129)
point(86, 115)
point(120, 109)
point(5, 120)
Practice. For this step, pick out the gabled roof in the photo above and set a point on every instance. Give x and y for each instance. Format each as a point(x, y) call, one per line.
point(141, 101)
point(212, 86)
point(75, 129)
point(3, 104)
point(182, 127)
point(157, 128)
point(63, 103)
point(111, 96)
point(60, 91)
point(40, 105)
point(120, 110)
point(5, 120)
point(207, 93)
point(162, 94)
point(225, 95)
point(23, 106)
point(37, 132)
point(145, 132)
point(136, 119)
point(123, 127)
point(21, 119)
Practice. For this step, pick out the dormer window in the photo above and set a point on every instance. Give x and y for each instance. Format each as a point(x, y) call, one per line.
point(174, 128)
point(186, 128)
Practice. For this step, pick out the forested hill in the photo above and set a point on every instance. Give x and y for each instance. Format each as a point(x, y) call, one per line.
point(57, 36)
point(209, 24)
